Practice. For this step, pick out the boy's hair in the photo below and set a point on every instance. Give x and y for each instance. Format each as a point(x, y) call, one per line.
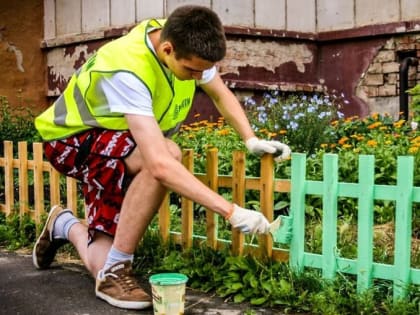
point(195, 31)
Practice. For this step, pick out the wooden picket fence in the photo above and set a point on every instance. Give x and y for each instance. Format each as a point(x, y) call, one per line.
point(17, 170)
point(44, 175)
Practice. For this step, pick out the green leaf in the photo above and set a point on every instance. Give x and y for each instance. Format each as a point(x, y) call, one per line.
point(239, 298)
point(258, 301)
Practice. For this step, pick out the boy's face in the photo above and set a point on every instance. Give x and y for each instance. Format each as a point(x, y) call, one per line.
point(188, 69)
point(185, 68)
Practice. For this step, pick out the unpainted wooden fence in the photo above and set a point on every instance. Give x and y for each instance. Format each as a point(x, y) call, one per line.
point(401, 273)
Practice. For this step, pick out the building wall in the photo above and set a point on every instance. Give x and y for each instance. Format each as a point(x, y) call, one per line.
point(291, 45)
point(22, 63)
point(288, 15)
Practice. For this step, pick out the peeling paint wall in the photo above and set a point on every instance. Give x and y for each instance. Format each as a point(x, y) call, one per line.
point(22, 67)
point(63, 61)
point(266, 55)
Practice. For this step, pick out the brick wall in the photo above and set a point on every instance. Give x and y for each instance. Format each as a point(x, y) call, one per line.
point(379, 86)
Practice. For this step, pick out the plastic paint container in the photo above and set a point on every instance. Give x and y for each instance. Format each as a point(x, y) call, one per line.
point(168, 292)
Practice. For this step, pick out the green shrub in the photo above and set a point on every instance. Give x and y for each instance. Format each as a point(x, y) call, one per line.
point(415, 102)
point(16, 232)
point(16, 124)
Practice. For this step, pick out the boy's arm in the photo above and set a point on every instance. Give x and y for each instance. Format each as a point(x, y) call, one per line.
point(230, 108)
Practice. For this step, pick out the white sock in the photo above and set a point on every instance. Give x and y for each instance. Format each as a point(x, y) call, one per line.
point(116, 256)
point(62, 225)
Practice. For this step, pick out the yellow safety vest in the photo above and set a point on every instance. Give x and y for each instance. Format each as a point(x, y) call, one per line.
point(83, 104)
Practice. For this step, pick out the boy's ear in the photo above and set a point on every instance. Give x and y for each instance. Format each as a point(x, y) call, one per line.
point(167, 47)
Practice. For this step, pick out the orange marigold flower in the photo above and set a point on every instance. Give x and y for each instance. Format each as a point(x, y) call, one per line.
point(283, 132)
point(374, 125)
point(343, 140)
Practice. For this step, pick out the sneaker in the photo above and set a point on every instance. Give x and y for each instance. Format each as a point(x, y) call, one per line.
point(46, 247)
point(119, 287)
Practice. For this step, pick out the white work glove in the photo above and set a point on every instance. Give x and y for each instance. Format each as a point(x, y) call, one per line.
point(248, 221)
point(260, 147)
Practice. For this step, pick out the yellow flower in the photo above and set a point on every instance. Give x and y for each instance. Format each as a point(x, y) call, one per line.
point(372, 143)
point(223, 132)
point(416, 140)
point(413, 150)
point(399, 123)
point(347, 146)
point(324, 145)
point(283, 132)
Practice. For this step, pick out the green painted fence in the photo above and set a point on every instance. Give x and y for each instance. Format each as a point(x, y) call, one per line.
point(364, 267)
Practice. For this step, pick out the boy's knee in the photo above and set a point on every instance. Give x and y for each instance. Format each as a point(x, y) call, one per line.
point(175, 150)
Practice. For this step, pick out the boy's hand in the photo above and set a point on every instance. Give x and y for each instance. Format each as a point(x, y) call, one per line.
point(259, 147)
point(248, 221)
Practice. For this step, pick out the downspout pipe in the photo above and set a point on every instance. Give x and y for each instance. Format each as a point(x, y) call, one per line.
point(404, 67)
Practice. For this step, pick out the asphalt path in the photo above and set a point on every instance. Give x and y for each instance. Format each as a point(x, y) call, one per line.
point(67, 289)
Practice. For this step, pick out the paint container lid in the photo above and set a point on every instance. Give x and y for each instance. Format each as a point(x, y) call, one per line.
point(168, 279)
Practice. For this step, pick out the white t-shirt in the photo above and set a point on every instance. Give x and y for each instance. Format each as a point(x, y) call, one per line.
point(128, 95)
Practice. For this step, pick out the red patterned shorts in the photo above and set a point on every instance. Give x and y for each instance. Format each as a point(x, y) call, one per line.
point(95, 158)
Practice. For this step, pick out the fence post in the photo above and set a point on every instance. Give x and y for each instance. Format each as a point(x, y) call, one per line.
point(329, 215)
point(38, 183)
point(187, 205)
point(238, 196)
point(403, 218)
point(267, 200)
point(297, 211)
point(23, 178)
point(71, 184)
point(365, 222)
point(213, 184)
point(8, 176)
point(54, 186)
point(164, 218)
